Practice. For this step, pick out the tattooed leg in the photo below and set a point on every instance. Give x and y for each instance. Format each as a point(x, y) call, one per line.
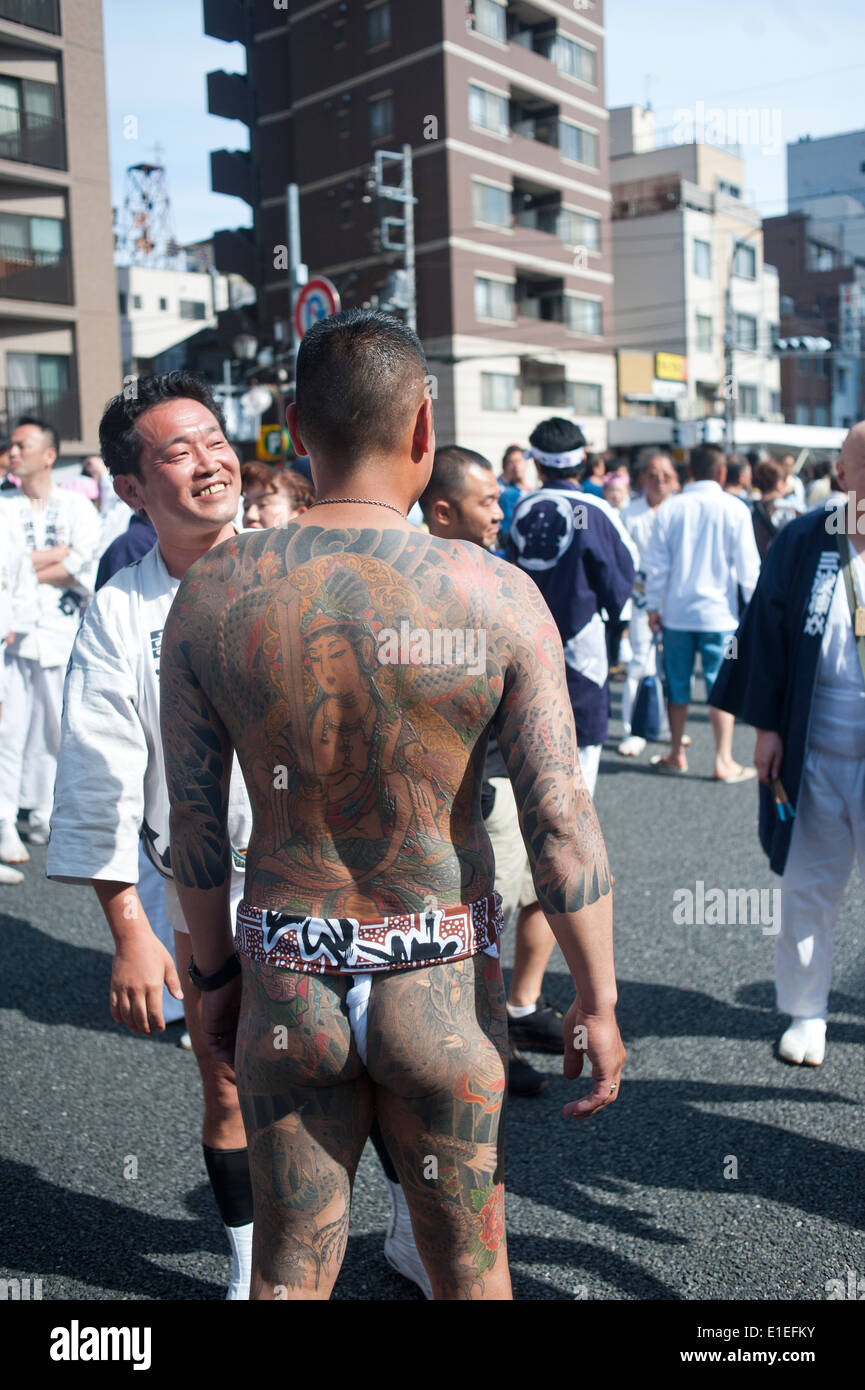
point(437, 1053)
point(307, 1106)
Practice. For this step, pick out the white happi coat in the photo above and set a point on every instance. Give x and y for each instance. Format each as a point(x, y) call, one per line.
point(111, 784)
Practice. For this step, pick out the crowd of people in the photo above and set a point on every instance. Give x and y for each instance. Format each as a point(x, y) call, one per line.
point(392, 816)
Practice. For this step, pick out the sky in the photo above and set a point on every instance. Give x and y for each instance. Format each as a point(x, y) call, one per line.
point(798, 66)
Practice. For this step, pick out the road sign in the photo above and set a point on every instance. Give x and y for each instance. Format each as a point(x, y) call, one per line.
point(272, 443)
point(318, 299)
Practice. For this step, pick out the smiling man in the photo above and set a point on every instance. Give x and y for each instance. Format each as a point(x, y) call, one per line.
point(167, 452)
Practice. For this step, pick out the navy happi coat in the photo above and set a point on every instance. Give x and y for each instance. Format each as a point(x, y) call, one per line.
point(770, 678)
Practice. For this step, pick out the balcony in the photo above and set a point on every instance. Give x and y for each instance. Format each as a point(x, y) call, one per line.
point(228, 96)
point(223, 19)
point(44, 276)
point(234, 252)
point(57, 408)
point(32, 139)
point(37, 14)
point(231, 174)
point(539, 298)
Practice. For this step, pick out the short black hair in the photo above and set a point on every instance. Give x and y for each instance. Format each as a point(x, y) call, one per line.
point(448, 477)
point(119, 441)
point(734, 472)
point(44, 427)
point(706, 462)
point(358, 376)
point(557, 436)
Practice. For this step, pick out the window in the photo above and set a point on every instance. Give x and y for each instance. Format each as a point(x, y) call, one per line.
point(583, 315)
point(488, 110)
point(122, 303)
point(747, 400)
point(775, 402)
point(585, 398)
point(163, 305)
point(745, 262)
point(38, 240)
point(703, 259)
point(494, 299)
point(746, 332)
point(704, 333)
point(820, 415)
point(339, 38)
point(822, 366)
point(26, 104)
point(490, 18)
point(380, 117)
point(192, 309)
point(803, 365)
point(347, 213)
point(574, 59)
point(498, 392)
point(136, 301)
point(578, 144)
point(37, 379)
point(732, 190)
point(491, 204)
point(842, 380)
point(580, 229)
point(378, 26)
point(803, 415)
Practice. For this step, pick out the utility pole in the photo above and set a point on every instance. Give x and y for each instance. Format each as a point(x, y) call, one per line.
point(298, 273)
point(729, 378)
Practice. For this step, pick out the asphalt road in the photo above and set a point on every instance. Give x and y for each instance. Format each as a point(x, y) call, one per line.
point(720, 1173)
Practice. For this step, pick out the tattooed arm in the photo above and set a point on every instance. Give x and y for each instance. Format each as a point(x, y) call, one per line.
point(198, 757)
point(534, 724)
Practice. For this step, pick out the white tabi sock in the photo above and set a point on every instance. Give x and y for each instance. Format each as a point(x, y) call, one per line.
point(240, 1240)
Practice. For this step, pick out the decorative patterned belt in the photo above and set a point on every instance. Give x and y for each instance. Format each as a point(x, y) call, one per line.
point(344, 945)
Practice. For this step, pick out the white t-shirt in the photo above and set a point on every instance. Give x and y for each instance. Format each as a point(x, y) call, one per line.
point(838, 710)
point(66, 519)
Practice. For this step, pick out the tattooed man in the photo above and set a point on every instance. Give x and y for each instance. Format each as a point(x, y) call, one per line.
point(356, 666)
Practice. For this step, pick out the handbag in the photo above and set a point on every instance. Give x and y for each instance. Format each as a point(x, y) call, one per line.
point(648, 701)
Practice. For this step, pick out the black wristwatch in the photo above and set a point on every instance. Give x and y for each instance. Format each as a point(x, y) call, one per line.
point(221, 977)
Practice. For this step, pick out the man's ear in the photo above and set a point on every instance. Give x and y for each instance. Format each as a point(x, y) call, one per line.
point(291, 421)
point(424, 432)
point(128, 488)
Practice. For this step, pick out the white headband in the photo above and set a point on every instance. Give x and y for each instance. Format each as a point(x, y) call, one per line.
point(571, 459)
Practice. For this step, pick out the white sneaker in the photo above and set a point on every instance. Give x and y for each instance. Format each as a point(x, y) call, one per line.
point(8, 875)
point(632, 746)
point(12, 848)
point(399, 1247)
point(804, 1042)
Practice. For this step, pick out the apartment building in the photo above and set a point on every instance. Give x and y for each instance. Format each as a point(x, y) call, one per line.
point(682, 235)
point(502, 103)
point(59, 347)
point(820, 256)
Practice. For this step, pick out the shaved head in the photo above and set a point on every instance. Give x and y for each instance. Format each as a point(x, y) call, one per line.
point(851, 466)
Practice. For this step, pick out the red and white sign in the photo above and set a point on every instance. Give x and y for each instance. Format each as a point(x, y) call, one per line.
point(318, 299)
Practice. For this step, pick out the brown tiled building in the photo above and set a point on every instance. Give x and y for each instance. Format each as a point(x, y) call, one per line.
point(817, 273)
point(502, 102)
point(59, 344)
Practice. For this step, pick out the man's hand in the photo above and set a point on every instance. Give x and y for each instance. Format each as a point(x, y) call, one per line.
point(655, 622)
point(140, 969)
point(220, 1011)
point(768, 754)
point(597, 1037)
